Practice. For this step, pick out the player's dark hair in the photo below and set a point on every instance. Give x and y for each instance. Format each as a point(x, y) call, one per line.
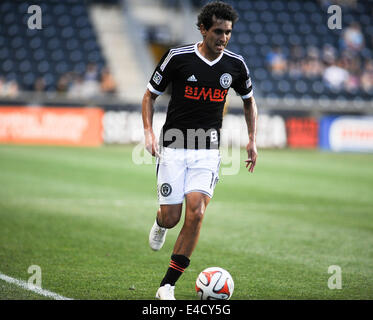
point(218, 9)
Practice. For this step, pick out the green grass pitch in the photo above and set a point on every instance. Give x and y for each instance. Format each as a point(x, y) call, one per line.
point(84, 214)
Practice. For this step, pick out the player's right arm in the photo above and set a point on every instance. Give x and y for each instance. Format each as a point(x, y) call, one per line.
point(151, 143)
point(157, 85)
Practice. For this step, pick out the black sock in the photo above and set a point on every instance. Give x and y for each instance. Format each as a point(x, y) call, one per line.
point(176, 268)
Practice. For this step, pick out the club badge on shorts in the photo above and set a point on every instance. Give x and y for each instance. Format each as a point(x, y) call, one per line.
point(165, 189)
point(225, 80)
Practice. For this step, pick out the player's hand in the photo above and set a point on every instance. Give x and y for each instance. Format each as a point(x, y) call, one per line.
point(151, 143)
point(252, 154)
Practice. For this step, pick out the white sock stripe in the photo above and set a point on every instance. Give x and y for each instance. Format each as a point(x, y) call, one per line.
point(26, 286)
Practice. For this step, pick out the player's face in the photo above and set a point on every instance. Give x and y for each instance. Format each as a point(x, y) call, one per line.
point(217, 37)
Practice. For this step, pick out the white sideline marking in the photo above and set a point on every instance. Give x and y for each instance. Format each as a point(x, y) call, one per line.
point(26, 286)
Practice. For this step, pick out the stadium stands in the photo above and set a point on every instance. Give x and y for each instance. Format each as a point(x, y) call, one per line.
point(43, 60)
point(292, 53)
point(288, 47)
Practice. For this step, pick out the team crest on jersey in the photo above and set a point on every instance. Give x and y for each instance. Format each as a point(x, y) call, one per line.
point(225, 80)
point(157, 78)
point(165, 189)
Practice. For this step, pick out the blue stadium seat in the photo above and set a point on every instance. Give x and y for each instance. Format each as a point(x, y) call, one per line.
point(24, 66)
point(267, 16)
point(21, 54)
point(266, 86)
point(28, 80)
point(260, 5)
point(244, 5)
point(301, 87)
point(310, 6)
point(61, 67)
point(249, 16)
point(260, 74)
point(261, 39)
point(243, 38)
point(277, 6)
point(294, 6)
point(283, 17)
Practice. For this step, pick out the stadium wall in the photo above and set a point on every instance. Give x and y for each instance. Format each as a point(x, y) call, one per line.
point(55, 126)
point(94, 126)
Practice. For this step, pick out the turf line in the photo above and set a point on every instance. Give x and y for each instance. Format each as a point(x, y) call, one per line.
point(35, 289)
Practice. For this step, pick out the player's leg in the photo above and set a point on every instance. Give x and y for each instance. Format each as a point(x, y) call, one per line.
point(200, 180)
point(170, 187)
point(167, 217)
point(196, 204)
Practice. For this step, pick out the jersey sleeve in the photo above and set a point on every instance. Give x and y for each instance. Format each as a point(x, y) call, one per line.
point(242, 85)
point(162, 75)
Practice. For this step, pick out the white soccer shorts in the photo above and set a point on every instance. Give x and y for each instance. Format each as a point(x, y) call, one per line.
point(181, 171)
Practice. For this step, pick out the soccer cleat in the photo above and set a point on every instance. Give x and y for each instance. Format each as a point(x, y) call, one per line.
point(157, 236)
point(166, 292)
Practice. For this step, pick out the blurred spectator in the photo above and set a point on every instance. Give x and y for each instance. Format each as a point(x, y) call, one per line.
point(296, 53)
point(335, 76)
point(276, 61)
point(295, 61)
point(39, 85)
point(339, 70)
point(312, 65)
point(91, 73)
point(8, 88)
point(329, 54)
point(295, 69)
point(90, 89)
point(12, 88)
point(2, 86)
point(351, 63)
point(352, 82)
point(65, 82)
point(353, 38)
point(89, 85)
point(367, 77)
point(74, 91)
point(107, 81)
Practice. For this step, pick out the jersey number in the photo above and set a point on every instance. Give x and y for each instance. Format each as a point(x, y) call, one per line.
point(214, 136)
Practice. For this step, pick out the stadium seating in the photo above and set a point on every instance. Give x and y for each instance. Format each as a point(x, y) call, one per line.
point(264, 24)
point(66, 42)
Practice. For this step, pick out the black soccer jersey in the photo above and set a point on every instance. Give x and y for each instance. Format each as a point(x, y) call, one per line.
point(199, 90)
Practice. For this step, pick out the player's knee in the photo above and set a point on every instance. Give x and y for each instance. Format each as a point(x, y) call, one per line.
point(171, 221)
point(170, 218)
point(196, 215)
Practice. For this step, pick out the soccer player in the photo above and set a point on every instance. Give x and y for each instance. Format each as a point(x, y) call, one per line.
point(188, 157)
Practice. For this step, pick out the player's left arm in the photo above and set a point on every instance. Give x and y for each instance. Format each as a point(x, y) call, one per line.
point(243, 86)
point(251, 117)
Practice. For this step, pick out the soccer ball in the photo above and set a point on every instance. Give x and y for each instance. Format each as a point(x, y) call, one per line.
point(214, 284)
